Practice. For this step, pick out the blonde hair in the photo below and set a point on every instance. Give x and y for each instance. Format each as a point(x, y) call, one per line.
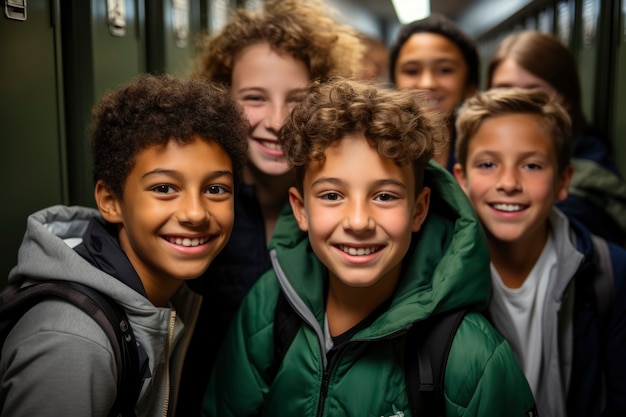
point(302, 29)
point(503, 101)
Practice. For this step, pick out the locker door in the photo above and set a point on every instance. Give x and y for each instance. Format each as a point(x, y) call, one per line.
point(104, 46)
point(171, 30)
point(587, 48)
point(31, 114)
point(618, 111)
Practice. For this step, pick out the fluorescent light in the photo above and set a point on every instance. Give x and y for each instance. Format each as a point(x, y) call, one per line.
point(410, 10)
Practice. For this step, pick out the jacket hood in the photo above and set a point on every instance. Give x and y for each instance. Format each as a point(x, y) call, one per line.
point(47, 253)
point(446, 267)
point(163, 333)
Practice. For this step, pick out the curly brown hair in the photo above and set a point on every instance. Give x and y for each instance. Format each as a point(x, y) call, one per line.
point(503, 101)
point(299, 28)
point(152, 110)
point(396, 122)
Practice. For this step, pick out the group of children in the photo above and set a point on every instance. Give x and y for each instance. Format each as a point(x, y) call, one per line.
point(272, 173)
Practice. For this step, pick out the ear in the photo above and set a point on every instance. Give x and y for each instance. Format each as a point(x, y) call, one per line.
point(564, 182)
point(420, 210)
point(299, 211)
point(108, 203)
point(459, 174)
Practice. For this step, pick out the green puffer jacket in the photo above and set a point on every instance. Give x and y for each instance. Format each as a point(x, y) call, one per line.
point(447, 267)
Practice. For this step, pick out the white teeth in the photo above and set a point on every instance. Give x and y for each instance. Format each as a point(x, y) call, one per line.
point(358, 251)
point(508, 207)
point(272, 145)
point(185, 241)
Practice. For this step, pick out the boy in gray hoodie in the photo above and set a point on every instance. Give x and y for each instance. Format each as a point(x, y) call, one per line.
point(168, 153)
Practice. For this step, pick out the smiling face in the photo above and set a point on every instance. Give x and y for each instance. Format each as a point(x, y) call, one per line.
point(511, 178)
point(176, 215)
point(268, 85)
point(432, 62)
point(359, 220)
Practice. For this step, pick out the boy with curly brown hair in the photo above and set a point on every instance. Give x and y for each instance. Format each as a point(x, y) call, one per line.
point(380, 240)
point(267, 58)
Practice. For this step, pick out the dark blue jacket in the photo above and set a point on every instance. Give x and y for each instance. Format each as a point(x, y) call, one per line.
point(599, 353)
point(595, 186)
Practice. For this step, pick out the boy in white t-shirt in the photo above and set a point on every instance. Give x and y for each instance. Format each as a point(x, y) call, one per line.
point(513, 151)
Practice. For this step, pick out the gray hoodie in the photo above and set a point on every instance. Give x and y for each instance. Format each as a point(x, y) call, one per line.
point(57, 361)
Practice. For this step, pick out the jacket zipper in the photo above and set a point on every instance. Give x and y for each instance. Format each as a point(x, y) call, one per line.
point(323, 393)
point(325, 381)
point(168, 351)
point(326, 374)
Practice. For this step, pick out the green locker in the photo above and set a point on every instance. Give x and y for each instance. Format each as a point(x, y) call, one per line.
point(171, 30)
point(32, 128)
point(618, 111)
point(587, 51)
point(103, 46)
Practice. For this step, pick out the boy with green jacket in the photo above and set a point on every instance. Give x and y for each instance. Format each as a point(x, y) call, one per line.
point(380, 238)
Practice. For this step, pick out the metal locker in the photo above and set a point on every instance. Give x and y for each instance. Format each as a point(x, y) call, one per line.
point(171, 30)
point(618, 110)
point(104, 46)
point(31, 128)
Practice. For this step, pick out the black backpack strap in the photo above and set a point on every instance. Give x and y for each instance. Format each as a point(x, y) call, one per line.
point(603, 284)
point(427, 347)
point(286, 324)
point(125, 345)
point(603, 288)
point(109, 315)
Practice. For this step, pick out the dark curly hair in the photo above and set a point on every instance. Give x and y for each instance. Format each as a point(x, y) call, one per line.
point(396, 122)
point(298, 28)
point(440, 25)
point(154, 109)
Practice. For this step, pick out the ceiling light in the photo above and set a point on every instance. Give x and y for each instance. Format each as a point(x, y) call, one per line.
point(410, 10)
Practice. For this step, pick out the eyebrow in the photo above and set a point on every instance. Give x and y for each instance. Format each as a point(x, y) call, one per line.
point(339, 182)
point(508, 84)
point(177, 175)
point(443, 60)
point(523, 155)
point(264, 90)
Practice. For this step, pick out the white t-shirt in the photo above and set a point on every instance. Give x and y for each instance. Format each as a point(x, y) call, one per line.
point(518, 313)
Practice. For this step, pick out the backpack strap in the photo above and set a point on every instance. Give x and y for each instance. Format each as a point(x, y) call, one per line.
point(110, 316)
point(286, 324)
point(426, 356)
point(603, 288)
point(603, 284)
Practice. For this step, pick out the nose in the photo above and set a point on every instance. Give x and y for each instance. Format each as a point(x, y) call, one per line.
point(193, 210)
point(276, 116)
point(509, 181)
point(427, 80)
point(358, 217)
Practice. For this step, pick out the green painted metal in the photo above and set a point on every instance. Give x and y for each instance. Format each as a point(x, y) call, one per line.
point(172, 26)
point(97, 59)
point(31, 122)
point(618, 131)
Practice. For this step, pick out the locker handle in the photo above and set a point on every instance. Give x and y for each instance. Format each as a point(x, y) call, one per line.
point(15, 9)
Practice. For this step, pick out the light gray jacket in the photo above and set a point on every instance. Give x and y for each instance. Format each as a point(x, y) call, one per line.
point(556, 369)
point(57, 361)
